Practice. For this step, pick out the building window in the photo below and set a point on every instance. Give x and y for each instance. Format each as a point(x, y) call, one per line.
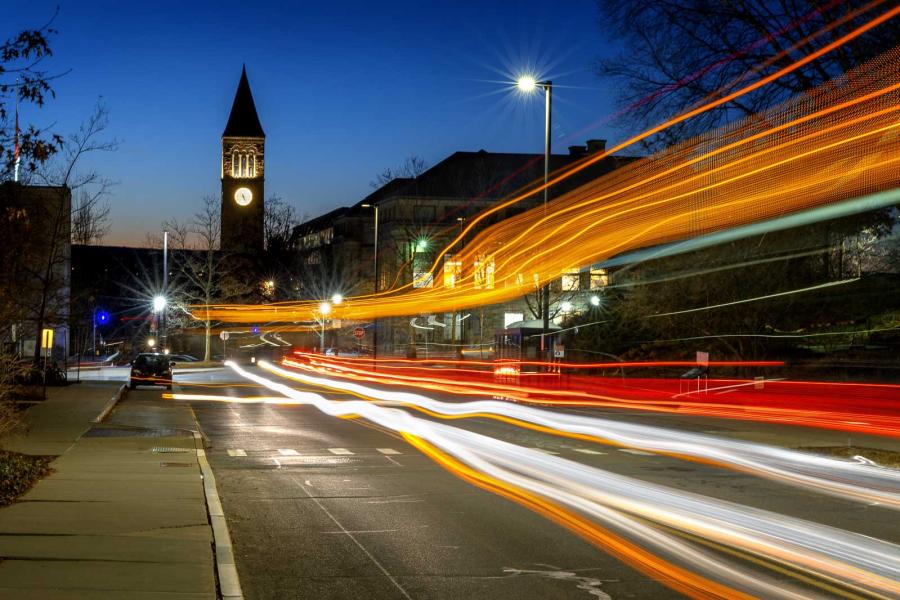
point(599, 278)
point(570, 280)
point(243, 165)
point(424, 214)
point(512, 317)
point(484, 272)
point(452, 271)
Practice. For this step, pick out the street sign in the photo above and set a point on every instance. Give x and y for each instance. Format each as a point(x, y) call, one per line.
point(223, 335)
point(359, 333)
point(703, 359)
point(47, 338)
point(559, 351)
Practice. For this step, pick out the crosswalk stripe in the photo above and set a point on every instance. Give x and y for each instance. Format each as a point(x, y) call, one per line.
point(288, 452)
point(387, 450)
point(588, 451)
point(339, 451)
point(236, 452)
point(637, 452)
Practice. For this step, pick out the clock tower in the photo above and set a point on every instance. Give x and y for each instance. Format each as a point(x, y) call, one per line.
point(243, 175)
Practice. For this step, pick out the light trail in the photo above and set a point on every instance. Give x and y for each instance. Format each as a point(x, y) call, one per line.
point(830, 558)
point(842, 478)
point(834, 144)
point(865, 408)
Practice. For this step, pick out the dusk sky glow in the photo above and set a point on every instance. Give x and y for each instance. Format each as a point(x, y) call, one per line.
point(343, 91)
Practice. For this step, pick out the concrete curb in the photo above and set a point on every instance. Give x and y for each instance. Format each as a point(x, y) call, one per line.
point(229, 584)
point(120, 393)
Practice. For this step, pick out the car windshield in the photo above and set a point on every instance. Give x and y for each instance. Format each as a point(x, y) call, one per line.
point(149, 360)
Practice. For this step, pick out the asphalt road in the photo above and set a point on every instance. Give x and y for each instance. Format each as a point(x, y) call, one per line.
point(321, 507)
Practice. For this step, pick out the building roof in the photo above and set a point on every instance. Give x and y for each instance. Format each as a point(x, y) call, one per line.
point(243, 120)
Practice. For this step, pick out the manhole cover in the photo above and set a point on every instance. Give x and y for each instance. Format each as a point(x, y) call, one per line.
point(175, 464)
point(165, 450)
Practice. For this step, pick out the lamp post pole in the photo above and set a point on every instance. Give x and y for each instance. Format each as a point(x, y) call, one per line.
point(165, 322)
point(545, 292)
point(375, 321)
point(375, 287)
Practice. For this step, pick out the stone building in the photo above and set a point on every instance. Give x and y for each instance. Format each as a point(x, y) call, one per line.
point(417, 218)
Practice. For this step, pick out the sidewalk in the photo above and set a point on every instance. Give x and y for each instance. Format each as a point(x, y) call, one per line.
point(123, 515)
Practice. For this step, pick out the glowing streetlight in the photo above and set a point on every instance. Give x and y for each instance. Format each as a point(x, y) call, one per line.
point(595, 300)
point(337, 299)
point(324, 310)
point(151, 343)
point(159, 303)
point(566, 307)
point(526, 84)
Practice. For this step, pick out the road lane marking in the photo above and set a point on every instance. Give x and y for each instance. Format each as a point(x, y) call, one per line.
point(636, 452)
point(236, 452)
point(288, 452)
point(339, 451)
point(588, 451)
point(387, 451)
point(355, 541)
point(545, 451)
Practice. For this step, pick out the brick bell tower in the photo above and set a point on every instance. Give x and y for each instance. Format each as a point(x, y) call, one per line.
point(243, 175)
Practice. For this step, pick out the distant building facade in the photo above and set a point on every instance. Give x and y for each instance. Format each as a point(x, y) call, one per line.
point(417, 218)
point(35, 225)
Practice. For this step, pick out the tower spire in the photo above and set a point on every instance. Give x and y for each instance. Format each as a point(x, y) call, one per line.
point(243, 120)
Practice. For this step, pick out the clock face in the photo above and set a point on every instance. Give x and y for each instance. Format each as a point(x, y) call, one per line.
point(243, 196)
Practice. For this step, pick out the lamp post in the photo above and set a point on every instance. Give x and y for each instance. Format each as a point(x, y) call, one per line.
point(324, 311)
point(528, 85)
point(375, 287)
point(164, 337)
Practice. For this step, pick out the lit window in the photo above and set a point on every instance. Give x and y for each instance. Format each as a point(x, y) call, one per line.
point(484, 272)
point(570, 279)
point(599, 278)
point(243, 165)
point(512, 317)
point(452, 271)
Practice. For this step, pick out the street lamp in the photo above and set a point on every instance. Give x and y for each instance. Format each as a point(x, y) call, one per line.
point(374, 287)
point(528, 85)
point(159, 303)
point(337, 299)
point(324, 310)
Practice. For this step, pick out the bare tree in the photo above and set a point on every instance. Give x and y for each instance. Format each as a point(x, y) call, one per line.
point(90, 215)
point(410, 168)
point(48, 272)
point(279, 222)
point(678, 53)
point(22, 79)
point(203, 273)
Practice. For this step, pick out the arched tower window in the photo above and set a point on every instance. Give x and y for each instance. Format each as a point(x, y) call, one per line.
point(243, 164)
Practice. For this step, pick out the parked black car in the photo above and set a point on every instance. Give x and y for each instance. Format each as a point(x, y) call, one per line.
point(151, 369)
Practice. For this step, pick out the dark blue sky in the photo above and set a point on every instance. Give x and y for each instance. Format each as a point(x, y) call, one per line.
point(343, 89)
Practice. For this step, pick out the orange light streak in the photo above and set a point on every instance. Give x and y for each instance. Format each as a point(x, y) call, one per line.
point(836, 143)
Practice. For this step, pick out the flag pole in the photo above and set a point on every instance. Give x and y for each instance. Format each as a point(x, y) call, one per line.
point(17, 148)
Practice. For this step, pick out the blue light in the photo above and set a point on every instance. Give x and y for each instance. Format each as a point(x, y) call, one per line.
point(101, 317)
point(255, 330)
